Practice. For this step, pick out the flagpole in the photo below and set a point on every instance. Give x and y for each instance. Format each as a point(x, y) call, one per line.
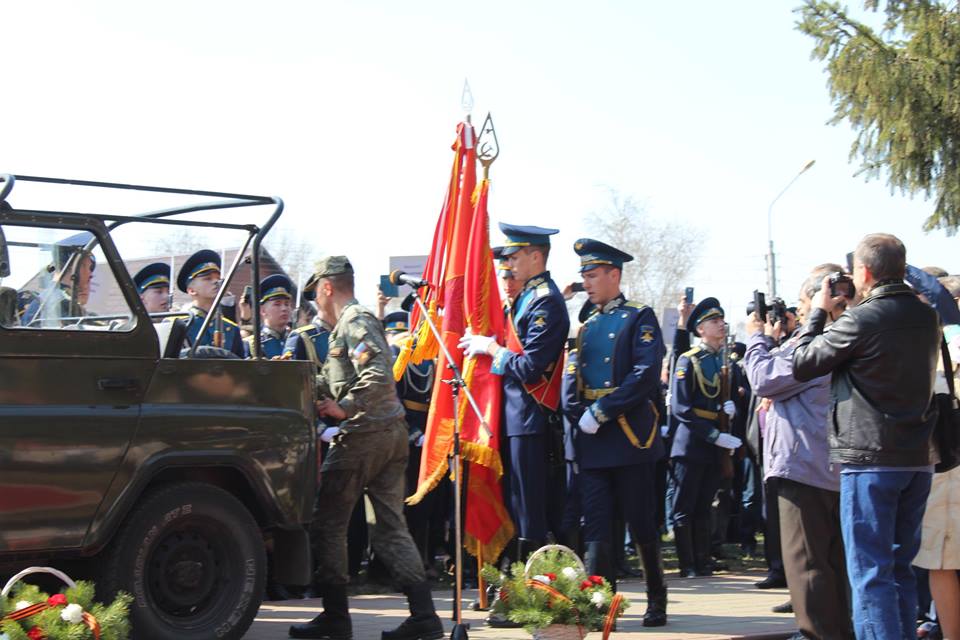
point(456, 384)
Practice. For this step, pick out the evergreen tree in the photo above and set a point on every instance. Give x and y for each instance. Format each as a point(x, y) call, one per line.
point(899, 87)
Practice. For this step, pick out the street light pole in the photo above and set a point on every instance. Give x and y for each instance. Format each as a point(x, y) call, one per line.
point(771, 256)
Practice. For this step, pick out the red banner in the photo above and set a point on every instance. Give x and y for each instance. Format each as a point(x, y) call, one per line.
point(445, 273)
point(464, 294)
point(488, 526)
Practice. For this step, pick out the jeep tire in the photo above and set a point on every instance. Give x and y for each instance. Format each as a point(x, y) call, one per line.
point(193, 558)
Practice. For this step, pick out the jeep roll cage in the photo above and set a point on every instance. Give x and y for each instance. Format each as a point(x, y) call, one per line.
point(255, 234)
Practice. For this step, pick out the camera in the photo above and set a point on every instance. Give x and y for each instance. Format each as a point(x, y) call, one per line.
point(759, 305)
point(778, 312)
point(247, 295)
point(775, 312)
point(842, 285)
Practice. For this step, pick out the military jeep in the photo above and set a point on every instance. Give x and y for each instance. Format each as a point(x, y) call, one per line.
point(164, 476)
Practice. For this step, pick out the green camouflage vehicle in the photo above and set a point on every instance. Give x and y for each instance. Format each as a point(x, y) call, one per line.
point(124, 461)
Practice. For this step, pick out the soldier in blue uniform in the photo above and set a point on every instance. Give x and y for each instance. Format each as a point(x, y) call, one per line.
point(511, 286)
point(614, 392)
point(276, 295)
point(531, 366)
point(309, 342)
point(199, 277)
point(153, 285)
point(698, 442)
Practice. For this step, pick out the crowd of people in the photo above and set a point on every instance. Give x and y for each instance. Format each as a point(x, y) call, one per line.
point(817, 432)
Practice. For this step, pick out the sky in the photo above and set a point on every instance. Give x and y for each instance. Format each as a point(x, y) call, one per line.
point(702, 110)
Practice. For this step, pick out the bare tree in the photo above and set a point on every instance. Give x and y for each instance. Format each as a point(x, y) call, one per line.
point(663, 257)
point(178, 241)
point(296, 255)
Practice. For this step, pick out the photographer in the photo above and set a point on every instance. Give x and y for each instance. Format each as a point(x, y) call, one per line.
point(797, 469)
point(882, 354)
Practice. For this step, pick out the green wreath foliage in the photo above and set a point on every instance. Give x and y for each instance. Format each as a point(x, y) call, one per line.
point(113, 618)
point(587, 598)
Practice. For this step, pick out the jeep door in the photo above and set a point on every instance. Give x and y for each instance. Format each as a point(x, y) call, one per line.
point(75, 360)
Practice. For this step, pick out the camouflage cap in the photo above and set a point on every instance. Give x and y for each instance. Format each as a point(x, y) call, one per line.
point(333, 266)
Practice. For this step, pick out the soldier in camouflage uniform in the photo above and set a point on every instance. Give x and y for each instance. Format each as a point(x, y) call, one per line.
point(356, 387)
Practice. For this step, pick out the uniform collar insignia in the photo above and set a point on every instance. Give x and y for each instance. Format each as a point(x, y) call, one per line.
point(537, 280)
point(614, 304)
point(270, 333)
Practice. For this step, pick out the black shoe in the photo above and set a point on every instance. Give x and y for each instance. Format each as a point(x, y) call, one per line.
point(786, 607)
point(718, 566)
point(656, 613)
point(423, 623)
point(772, 582)
point(416, 628)
point(498, 621)
point(333, 623)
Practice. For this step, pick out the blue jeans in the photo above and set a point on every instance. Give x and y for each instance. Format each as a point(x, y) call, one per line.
point(880, 515)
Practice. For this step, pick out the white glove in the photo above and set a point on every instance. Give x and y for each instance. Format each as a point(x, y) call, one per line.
point(664, 430)
point(475, 345)
point(729, 408)
point(588, 423)
point(419, 442)
point(329, 434)
point(727, 441)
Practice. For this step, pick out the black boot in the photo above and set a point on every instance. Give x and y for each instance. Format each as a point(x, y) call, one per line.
point(656, 614)
point(423, 623)
point(683, 538)
point(333, 623)
point(701, 548)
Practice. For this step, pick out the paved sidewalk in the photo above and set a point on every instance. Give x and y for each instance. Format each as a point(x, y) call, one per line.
point(723, 606)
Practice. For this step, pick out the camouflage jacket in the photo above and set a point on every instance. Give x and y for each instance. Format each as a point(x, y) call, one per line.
point(358, 372)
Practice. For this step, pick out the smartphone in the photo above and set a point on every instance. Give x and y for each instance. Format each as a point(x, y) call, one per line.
point(247, 294)
point(850, 262)
point(688, 295)
point(387, 288)
point(576, 287)
point(760, 305)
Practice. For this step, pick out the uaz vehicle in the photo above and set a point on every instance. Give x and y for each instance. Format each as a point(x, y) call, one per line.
point(164, 476)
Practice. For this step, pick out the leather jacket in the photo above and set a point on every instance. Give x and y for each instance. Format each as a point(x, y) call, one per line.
point(883, 356)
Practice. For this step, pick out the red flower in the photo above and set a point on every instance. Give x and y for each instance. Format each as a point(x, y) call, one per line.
point(597, 580)
point(58, 600)
point(586, 584)
point(35, 634)
point(552, 576)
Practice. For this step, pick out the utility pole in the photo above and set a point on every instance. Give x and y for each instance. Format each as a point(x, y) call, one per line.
point(771, 256)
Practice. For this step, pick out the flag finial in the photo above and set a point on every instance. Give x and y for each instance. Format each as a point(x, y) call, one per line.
point(466, 98)
point(488, 149)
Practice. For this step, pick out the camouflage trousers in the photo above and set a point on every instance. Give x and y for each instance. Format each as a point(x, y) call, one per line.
point(375, 462)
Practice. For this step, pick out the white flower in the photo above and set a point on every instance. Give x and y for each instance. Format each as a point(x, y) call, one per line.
point(569, 573)
point(72, 613)
point(598, 598)
point(23, 604)
point(543, 579)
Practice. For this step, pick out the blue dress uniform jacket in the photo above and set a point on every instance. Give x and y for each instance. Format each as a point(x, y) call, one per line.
point(617, 377)
point(309, 342)
point(271, 344)
point(696, 404)
point(542, 324)
point(231, 332)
